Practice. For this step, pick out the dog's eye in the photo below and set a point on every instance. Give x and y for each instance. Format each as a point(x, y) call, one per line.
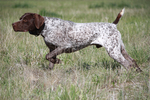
point(25, 20)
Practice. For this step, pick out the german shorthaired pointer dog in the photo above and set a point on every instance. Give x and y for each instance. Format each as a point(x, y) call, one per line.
point(65, 37)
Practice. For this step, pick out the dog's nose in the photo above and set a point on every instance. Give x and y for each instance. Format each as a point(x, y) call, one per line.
point(13, 24)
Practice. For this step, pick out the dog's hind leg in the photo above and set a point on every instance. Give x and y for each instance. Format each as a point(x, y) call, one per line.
point(131, 60)
point(112, 47)
point(116, 54)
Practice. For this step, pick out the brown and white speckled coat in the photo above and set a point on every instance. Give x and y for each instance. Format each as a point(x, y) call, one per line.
point(63, 36)
point(75, 36)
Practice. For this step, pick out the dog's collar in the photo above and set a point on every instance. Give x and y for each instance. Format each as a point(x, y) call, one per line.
point(37, 32)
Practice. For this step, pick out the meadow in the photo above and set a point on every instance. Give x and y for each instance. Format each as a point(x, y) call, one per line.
point(88, 74)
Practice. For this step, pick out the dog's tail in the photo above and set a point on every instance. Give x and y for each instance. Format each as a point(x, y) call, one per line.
point(119, 16)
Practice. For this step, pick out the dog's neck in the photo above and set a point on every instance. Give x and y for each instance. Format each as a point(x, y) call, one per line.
point(37, 32)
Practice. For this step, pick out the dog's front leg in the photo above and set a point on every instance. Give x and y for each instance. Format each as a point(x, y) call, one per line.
point(55, 52)
point(51, 56)
point(54, 60)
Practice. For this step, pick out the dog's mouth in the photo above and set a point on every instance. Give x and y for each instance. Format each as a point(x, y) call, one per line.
point(17, 29)
point(25, 31)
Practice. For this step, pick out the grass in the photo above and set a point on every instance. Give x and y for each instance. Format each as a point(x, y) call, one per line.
point(43, 12)
point(22, 5)
point(88, 74)
point(111, 5)
point(132, 4)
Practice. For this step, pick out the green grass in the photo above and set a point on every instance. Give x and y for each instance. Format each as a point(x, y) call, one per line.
point(43, 12)
point(120, 4)
point(88, 74)
point(22, 5)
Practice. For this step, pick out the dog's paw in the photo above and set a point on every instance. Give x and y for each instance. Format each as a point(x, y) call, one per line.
point(51, 65)
point(47, 57)
point(58, 61)
point(55, 61)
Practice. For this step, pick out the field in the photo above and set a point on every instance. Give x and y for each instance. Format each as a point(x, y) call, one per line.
point(88, 74)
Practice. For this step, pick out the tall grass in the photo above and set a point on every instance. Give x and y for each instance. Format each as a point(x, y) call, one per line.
point(88, 74)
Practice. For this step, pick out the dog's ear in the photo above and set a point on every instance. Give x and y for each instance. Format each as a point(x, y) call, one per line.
point(38, 20)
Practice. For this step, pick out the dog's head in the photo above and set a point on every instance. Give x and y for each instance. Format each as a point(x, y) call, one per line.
point(31, 22)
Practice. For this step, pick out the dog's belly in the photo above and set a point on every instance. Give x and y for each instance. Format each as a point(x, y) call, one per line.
point(74, 49)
